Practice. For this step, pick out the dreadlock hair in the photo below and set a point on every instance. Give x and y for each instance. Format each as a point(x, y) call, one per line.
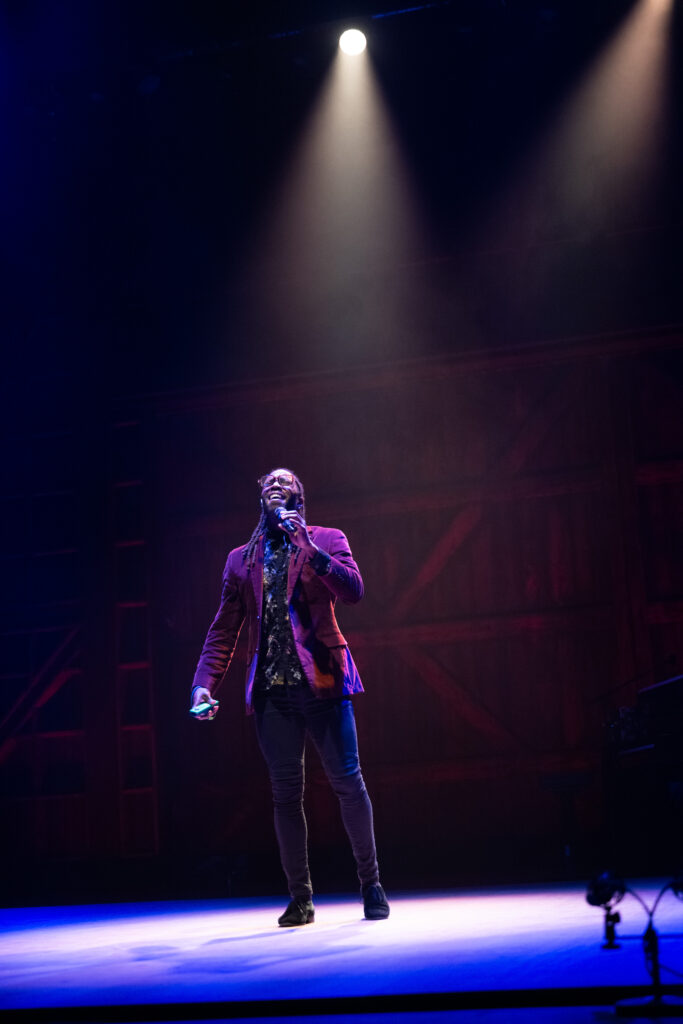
point(249, 555)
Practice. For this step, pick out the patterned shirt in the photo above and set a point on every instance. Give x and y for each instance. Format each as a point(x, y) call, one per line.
point(278, 663)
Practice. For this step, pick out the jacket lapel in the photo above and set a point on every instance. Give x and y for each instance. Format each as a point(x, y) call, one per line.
point(296, 563)
point(257, 575)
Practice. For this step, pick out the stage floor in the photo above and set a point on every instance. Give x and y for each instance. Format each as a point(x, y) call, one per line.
point(485, 948)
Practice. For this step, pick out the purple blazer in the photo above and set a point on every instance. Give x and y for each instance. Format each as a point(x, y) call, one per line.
point(323, 651)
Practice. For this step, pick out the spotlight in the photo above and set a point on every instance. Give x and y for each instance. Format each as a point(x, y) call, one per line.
point(677, 887)
point(352, 42)
point(605, 889)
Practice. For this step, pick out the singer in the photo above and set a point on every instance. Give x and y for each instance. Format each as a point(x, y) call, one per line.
point(284, 582)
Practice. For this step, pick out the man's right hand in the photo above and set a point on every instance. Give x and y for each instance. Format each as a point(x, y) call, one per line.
point(203, 696)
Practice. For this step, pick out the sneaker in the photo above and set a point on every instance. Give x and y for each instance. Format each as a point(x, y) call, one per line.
point(375, 902)
point(298, 912)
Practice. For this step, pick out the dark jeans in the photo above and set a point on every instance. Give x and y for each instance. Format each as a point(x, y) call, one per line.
point(282, 720)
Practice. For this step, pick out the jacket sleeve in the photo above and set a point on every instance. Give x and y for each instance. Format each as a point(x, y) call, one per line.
point(336, 566)
point(221, 639)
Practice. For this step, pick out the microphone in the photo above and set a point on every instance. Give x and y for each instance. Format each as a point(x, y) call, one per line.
point(284, 523)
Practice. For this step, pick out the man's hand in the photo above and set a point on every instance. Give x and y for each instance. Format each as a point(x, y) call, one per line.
point(299, 534)
point(200, 695)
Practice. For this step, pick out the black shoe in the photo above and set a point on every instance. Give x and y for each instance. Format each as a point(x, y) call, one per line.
point(298, 912)
point(375, 902)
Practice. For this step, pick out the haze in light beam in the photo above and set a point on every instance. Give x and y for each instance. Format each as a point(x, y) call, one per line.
point(593, 171)
point(321, 272)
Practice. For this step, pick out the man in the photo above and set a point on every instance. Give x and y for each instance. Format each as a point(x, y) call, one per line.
point(284, 582)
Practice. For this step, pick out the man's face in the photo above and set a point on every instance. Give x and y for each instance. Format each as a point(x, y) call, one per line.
point(278, 489)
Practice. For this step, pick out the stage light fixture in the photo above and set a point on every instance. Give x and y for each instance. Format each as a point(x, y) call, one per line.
point(352, 42)
point(676, 886)
point(605, 890)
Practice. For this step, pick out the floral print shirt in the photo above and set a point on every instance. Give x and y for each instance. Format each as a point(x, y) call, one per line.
point(278, 662)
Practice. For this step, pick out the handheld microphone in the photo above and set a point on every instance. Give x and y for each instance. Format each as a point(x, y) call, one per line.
point(284, 523)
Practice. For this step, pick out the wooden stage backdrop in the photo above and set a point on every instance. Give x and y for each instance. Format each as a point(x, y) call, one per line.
point(517, 520)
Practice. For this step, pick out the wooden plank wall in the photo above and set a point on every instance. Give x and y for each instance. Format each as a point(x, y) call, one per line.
point(517, 524)
point(516, 516)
